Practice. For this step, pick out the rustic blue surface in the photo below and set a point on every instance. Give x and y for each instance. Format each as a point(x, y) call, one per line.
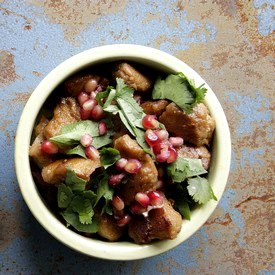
point(229, 43)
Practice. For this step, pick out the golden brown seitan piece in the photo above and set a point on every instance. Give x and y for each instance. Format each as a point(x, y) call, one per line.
point(154, 107)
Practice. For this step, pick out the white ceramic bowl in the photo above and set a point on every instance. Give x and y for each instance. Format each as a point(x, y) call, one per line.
point(217, 176)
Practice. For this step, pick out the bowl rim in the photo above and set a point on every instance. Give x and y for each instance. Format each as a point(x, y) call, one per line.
point(98, 248)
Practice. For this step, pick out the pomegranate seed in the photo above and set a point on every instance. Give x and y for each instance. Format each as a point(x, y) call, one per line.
point(93, 95)
point(102, 127)
point(163, 156)
point(89, 105)
point(49, 147)
point(173, 155)
point(157, 147)
point(176, 141)
point(124, 220)
point(137, 208)
point(160, 184)
point(99, 89)
point(86, 140)
point(115, 179)
point(162, 134)
point(118, 203)
point(84, 114)
point(132, 166)
point(97, 113)
point(118, 214)
point(150, 137)
point(142, 198)
point(120, 164)
point(92, 153)
point(82, 97)
point(150, 122)
point(156, 199)
point(90, 86)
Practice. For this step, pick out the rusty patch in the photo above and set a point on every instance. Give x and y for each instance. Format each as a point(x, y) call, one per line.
point(76, 16)
point(7, 68)
point(222, 221)
point(264, 198)
point(37, 74)
point(21, 97)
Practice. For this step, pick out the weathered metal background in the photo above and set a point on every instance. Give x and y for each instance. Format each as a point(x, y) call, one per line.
point(229, 42)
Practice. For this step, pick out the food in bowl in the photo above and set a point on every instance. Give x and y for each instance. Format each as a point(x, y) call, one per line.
point(121, 152)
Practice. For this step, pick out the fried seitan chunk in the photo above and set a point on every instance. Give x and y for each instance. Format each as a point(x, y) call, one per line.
point(154, 107)
point(161, 223)
point(56, 172)
point(196, 128)
point(133, 78)
point(39, 157)
point(108, 228)
point(66, 112)
point(146, 178)
point(76, 84)
point(186, 151)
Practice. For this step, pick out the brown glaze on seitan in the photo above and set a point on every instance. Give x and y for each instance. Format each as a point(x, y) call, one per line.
point(56, 172)
point(162, 223)
point(76, 84)
point(40, 158)
point(146, 178)
point(108, 228)
point(154, 107)
point(186, 151)
point(196, 128)
point(133, 78)
point(66, 112)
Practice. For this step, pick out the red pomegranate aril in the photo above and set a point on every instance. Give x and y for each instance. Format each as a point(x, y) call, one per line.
point(90, 86)
point(163, 156)
point(89, 104)
point(102, 127)
point(84, 114)
point(49, 147)
point(137, 208)
point(173, 155)
point(82, 97)
point(92, 153)
point(124, 220)
point(156, 199)
point(86, 140)
point(150, 122)
point(132, 166)
point(120, 164)
point(150, 137)
point(97, 113)
point(142, 199)
point(176, 141)
point(118, 203)
point(116, 179)
point(162, 134)
point(93, 95)
point(118, 214)
point(157, 147)
point(160, 184)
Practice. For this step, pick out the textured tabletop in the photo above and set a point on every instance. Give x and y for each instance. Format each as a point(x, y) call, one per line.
point(230, 43)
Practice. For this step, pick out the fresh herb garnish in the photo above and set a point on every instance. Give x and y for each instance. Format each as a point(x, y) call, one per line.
point(184, 168)
point(108, 156)
point(179, 89)
point(200, 190)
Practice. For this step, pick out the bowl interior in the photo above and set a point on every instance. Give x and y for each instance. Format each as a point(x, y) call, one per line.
point(155, 59)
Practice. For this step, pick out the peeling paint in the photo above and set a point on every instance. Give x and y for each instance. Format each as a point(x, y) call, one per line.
point(7, 68)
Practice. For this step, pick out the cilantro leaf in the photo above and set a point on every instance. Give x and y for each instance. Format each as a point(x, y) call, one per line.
point(183, 207)
point(78, 150)
point(108, 156)
point(184, 168)
point(83, 207)
point(200, 190)
point(104, 140)
point(179, 89)
point(72, 133)
point(73, 181)
point(64, 195)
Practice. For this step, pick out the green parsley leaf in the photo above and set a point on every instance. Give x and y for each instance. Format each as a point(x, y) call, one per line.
point(184, 168)
point(72, 133)
point(104, 140)
point(64, 195)
point(108, 156)
point(78, 150)
point(83, 207)
point(73, 181)
point(179, 89)
point(72, 218)
point(200, 190)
